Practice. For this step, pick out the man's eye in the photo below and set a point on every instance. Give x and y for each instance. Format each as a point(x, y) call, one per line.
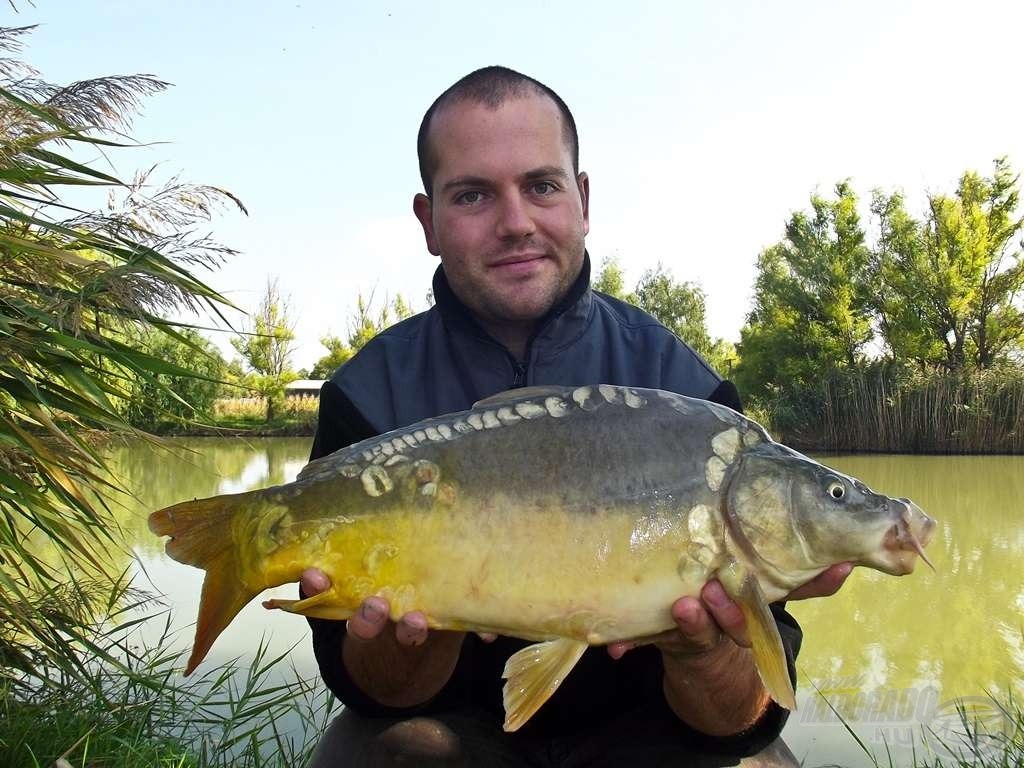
point(469, 197)
point(544, 188)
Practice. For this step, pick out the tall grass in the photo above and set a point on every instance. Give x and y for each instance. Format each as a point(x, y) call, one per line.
point(74, 282)
point(302, 407)
point(892, 410)
point(129, 707)
point(993, 738)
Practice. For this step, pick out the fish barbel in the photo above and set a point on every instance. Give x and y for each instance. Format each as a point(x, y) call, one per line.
point(566, 516)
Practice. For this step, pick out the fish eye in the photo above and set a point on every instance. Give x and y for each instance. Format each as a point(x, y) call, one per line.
point(836, 489)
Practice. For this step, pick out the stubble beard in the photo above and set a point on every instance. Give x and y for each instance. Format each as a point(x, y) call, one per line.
point(495, 305)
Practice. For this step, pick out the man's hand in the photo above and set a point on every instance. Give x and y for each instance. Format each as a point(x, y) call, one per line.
point(400, 668)
point(372, 617)
point(710, 679)
point(703, 623)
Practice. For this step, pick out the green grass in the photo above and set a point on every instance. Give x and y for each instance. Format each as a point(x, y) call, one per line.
point(134, 709)
point(986, 734)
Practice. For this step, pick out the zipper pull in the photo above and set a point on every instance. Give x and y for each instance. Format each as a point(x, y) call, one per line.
point(520, 375)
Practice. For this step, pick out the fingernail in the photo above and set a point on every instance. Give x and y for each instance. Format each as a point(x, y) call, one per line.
point(690, 612)
point(715, 596)
point(371, 612)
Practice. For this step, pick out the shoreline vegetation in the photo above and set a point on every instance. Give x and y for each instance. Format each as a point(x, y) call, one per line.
point(893, 409)
point(887, 409)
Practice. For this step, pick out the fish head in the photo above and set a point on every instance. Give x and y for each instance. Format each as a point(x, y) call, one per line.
point(797, 517)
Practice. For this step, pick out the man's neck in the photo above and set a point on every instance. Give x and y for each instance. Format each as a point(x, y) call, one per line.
point(514, 336)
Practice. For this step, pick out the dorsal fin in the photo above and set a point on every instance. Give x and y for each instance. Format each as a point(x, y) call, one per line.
point(509, 394)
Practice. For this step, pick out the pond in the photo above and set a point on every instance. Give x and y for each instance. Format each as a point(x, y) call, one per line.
point(889, 654)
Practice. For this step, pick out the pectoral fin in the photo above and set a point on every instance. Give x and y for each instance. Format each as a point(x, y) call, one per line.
point(765, 642)
point(317, 607)
point(533, 674)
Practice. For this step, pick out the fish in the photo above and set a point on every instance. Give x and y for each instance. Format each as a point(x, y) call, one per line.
point(566, 516)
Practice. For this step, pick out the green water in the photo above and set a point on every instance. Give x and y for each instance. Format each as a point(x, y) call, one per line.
point(889, 653)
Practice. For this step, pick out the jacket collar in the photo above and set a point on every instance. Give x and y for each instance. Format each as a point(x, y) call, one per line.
point(562, 324)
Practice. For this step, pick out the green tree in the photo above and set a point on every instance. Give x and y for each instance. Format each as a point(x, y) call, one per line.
point(171, 397)
point(363, 326)
point(266, 348)
point(610, 279)
point(811, 299)
point(73, 283)
point(338, 353)
point(948, 288)
point(680, 307)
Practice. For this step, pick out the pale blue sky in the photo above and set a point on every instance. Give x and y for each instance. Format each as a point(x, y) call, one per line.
point(702, 125)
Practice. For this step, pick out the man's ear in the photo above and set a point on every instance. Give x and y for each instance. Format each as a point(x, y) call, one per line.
point(424, 210)
point(583, 184)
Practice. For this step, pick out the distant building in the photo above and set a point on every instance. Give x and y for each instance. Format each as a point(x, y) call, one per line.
point(304, 388)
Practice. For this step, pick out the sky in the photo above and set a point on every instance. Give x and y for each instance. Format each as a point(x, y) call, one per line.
point(703, 126)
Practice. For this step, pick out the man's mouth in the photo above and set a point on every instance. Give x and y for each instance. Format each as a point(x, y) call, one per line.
point(524, 258)
point(519, 266)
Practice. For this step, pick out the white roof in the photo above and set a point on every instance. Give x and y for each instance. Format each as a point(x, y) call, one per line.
point(305, 384)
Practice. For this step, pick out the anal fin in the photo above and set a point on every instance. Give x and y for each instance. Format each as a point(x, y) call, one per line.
point(765, 641)
point(316, 607)
point(533, 674)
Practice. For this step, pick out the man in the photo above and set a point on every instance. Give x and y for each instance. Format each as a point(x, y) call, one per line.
point(506, 210)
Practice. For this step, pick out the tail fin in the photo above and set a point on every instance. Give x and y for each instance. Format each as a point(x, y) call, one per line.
point(200, 534)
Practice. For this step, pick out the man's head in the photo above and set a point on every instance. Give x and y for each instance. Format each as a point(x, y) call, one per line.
point(491, 86)
point(506, 208)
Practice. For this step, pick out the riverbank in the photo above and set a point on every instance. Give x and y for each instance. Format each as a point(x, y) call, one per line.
point(247, 417)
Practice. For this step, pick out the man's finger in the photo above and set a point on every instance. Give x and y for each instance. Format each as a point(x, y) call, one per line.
point(412, 629)
point(824, 584)
point(313, 581)
point(695, 624)
point(725, 613)
point(618, 650)
point(370, 619)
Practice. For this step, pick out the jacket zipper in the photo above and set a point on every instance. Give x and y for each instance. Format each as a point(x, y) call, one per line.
point(519, 379)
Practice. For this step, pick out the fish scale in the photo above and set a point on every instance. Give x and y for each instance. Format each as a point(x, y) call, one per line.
point(567, 516)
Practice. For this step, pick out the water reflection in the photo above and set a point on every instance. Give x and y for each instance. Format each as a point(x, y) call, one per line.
point(881, 648)
point(957, 632)
point(197, 468)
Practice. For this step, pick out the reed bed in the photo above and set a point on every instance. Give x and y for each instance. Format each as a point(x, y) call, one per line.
point(302, 409)
point(891, 410)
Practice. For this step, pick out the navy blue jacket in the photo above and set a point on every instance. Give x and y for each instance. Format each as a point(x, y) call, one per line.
point(441, 361)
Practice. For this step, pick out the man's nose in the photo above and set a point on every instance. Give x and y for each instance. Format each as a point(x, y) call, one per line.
point(514, 219)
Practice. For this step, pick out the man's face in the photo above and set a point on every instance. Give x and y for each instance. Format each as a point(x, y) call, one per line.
point(507, 216)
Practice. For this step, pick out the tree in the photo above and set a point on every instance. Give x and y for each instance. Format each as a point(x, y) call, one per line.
point(171, 397)
point(362, 327)
point(811, 299)
point(948, 287)
point(73, 283)
point(338, 353)
point(266, 348)
point(680, 307)
point(610, 279)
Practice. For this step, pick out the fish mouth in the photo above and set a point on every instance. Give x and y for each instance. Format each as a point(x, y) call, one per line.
point(905, 541)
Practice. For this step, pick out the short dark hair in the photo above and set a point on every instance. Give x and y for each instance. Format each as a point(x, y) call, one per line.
point(491, 86)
